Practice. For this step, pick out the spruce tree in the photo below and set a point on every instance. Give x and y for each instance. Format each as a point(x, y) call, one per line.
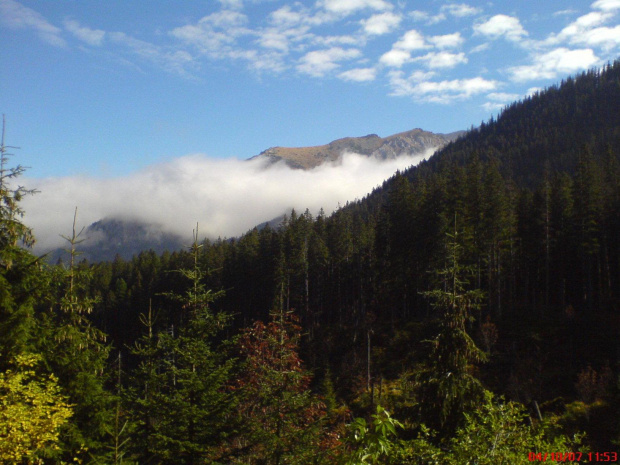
point(183, 409)
point(447, 387)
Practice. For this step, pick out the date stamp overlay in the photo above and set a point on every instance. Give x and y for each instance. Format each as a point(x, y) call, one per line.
point(585, 457)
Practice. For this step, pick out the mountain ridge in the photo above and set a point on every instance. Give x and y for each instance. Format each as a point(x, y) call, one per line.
point(412, 142)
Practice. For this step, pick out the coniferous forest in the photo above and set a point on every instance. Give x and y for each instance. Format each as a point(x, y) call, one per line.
point(467, 311)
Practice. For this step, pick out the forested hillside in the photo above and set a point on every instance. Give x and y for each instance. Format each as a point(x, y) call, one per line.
point(467, 309)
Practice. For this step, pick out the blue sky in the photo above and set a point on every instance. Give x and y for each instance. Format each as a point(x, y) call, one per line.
point(108, 88)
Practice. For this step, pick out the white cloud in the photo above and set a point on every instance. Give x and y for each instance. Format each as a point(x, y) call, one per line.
point(607, 5)
point(285, 16)
point(447, 41)
point(274, 39)
point(492, 106)
point(411, 40)
point(382, 23)
point(359, 75)
point(225, 196)
point(501, 26)
point(584, 31)
point(442, 59)
point(395, 58)
point(90, 36)
point(605, 37)
point(502, 97)
point(347, 7)
point(420, 88)
point(499, 100)
point(460, 9)
point(549, 65)
point(320, 62)
point(17, 16)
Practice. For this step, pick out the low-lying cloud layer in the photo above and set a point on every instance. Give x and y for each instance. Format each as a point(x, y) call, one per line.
point(226, 197)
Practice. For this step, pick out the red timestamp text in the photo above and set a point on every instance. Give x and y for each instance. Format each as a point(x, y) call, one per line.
point(586, 457)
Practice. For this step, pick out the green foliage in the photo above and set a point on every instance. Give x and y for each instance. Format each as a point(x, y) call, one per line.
point(501, 432)
point(32, 412)
point(374, 442)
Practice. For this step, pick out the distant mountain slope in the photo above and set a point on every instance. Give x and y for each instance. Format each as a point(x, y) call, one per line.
point(109, 237)
point(411, 142)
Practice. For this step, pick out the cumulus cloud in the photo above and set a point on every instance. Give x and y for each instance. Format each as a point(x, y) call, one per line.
point(447, 41)
point(607, 5)
point(90, 36)
point(549, 65)
point(501, 26)
point(411, 40)
point(17, 16)
point(320, 62)
point(401, 50)
point(588, 30)
point(226, 197)
point(380, 24)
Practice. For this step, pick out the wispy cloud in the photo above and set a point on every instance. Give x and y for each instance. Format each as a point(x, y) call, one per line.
point(418, 86)
point(227, 197)
point(320, 62)
point(359, 75)
point(460, 10)
point(175, 61)
point(214, 34)
point(17, 16)
point(92, 37)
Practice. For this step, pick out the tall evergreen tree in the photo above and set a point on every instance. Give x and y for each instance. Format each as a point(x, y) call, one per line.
point(447, 387)
point(179, 389)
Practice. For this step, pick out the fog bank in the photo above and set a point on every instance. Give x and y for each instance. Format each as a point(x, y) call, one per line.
point(226, 197)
